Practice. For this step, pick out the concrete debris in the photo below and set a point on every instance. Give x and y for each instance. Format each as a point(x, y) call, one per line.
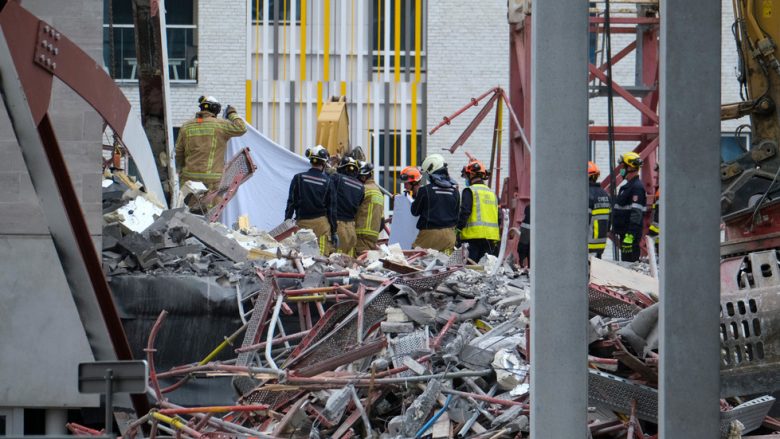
point(389, 344)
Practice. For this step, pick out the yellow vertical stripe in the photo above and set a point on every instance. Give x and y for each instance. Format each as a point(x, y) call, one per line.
point(397, 41)
point(326, 41)
point(319, 97)
point(284, 42)
point(302, 76)
point(303, 41)
point(413, 151)
point(248, 94)
point(343, 88)
point(417, 38)
point(379, 10)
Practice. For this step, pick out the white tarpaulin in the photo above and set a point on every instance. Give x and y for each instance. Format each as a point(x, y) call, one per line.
point(403, 229)
point(264, 196)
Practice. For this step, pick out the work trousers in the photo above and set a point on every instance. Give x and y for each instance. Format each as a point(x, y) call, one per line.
point(347, 237)
point(633, 255)
point(365, 242)
point(442, 240)
point(481, 247)
point(321, 228)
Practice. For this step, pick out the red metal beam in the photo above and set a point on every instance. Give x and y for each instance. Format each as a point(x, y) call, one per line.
point(625, 94)
point(615, 59)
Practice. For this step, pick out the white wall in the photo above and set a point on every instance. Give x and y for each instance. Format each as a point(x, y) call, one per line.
point(468, 53)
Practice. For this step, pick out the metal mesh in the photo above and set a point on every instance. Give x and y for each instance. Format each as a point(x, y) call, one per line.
point(238, 170)
point(253, 329)
point(426, 280)
point(457, 258)
point(617, 393)
point(345, 335)
point(751, 414)
point(263, 396)
point(323, 326)
point(404, 347)
point(607, 303)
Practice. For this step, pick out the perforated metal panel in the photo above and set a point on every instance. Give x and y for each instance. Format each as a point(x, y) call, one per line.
point(405, 346)
point(426, 280)
point(238, 170)
point(608, 303)
point(617, 394)
point(751, 414)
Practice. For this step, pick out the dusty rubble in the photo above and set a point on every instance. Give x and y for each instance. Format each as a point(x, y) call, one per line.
point(393, 344)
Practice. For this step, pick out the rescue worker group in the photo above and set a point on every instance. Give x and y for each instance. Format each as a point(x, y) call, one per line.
point(345, 208)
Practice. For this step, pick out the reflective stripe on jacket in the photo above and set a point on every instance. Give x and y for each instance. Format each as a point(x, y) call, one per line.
point(483, 221)
point(369, 216)
point(201, 145)
point(599, 210)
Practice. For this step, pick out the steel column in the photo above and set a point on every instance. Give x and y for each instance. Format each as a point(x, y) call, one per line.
point(559, 194)
point(690, 285)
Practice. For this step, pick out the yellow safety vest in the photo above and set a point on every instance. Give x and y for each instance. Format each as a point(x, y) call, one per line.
point(483, 221)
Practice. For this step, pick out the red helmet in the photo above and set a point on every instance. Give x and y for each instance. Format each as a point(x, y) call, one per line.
point(410, 174)
point(474, 168)
point(593, 171)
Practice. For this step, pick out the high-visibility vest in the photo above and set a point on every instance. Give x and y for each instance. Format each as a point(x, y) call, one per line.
point(483, 221)
point(599, 227)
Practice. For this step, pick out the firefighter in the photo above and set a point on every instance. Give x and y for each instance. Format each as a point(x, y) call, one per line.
point(368, 222)
point(437, 205)
point(629, 209)
point(599, 208)
point(201, 144)
point(654, 230)
point(478, 216)
point(312, 199)
point(411, 177)
point(349, 196)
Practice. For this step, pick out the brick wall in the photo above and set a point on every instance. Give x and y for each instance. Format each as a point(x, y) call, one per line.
point(78, 129)
point(221, 61)
point(468, 53)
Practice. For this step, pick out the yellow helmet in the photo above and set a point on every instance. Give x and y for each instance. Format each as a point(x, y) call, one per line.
point(631, 160)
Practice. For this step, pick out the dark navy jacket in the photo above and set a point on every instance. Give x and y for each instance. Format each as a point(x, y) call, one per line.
point(312, 195)
point(349, 195)
point(629, 210)
point(437, 203)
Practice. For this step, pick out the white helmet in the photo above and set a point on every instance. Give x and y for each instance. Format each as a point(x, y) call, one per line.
point(433, 163)
point(317, 153)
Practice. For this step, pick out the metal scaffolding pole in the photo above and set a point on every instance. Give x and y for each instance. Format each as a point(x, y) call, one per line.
point(690, 213)
point(559, 209)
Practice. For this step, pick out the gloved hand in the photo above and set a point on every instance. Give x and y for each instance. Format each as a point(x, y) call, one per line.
point(334, 240)
point(628, 243)
point(228, 111)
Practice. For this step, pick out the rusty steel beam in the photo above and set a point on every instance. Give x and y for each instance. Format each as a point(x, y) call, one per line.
point(152, 69)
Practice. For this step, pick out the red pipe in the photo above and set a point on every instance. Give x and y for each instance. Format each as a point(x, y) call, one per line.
point(275, 341)
point(214, 409)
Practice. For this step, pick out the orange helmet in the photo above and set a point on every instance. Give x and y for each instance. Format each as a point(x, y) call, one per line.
point(593, 171)
point(410, 174)
point(474, 168)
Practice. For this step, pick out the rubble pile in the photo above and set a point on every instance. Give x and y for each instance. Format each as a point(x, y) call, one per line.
point(392, 344)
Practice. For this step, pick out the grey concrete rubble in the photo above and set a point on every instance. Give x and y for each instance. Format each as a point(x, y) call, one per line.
point(389, 344)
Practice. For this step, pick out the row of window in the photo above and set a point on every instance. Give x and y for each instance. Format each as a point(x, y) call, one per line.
point(119, 50)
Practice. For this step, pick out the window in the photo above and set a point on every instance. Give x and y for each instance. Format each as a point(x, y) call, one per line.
point(284, 10)
point(395, 144)
point(378, 31)
point(180, 30)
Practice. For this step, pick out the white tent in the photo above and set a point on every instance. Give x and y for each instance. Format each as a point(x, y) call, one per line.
point(264, 196)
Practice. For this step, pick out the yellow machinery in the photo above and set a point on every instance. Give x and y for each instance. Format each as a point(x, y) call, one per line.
point(333, 126)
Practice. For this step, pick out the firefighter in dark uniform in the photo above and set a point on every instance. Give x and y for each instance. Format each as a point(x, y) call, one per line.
point(437, 205)
point(478, 217)
point(312, 199)
point(599, 208)
point(629, 210)
point(349, 195)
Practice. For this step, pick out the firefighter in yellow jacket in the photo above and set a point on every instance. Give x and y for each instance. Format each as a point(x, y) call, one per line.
point(478, 216)
point(369, 217)
point(202, 141)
